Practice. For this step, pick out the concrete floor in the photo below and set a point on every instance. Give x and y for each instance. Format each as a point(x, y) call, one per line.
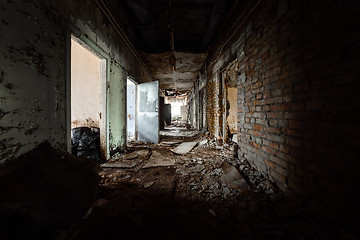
point(207, 193)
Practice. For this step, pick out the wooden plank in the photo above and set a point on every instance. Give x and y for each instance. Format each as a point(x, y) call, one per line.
point(184, 147)
point(121, 164)
point(160, 159)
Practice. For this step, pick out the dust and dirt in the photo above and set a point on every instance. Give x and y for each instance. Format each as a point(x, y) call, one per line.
point(44, 190)
point(150, 192)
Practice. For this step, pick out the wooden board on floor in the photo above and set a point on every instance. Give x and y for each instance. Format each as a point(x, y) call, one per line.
point(120, 164)
point(184, 147)
point(233, 178)
point(160, 159)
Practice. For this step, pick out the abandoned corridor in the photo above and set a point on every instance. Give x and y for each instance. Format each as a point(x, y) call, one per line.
point(179, 119)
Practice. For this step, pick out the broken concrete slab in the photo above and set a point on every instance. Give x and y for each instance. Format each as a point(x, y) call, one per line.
point(184, 147)
point(233, 178)
point(44, 190)
point(160, 158)
point(143, 153)
point(170, 143)
point(127, 160)
point(120, 164)
point(134, 154)
point(149, 184)
point(139, 154)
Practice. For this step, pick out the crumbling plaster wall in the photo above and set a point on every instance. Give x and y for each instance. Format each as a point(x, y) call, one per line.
point(191, 119)
point(194, 106)
point(298, 82)
point(34, 40)
point(117, 107)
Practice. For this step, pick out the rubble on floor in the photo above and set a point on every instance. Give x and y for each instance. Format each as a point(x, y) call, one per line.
point(160, 158)
point(45, 190)
point(210, 168)
point(207, 193)
point(233, 178)
point(181, 132)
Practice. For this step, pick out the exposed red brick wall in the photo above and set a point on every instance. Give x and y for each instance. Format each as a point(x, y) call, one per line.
point(298, 98)
point(213, 105)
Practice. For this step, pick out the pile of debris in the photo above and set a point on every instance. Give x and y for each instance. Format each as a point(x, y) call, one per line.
point(45, 190)
point(197, 189)
point(205, 169)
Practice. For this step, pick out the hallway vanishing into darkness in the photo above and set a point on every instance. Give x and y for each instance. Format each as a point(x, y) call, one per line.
point(179, 119)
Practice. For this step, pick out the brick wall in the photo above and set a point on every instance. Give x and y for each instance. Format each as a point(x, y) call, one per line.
point(213, 108)
point(298, 107)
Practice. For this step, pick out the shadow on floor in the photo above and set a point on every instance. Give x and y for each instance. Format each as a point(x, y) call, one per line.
point(159, 211)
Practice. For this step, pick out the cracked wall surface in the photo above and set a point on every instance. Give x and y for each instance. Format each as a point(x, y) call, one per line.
point(33, 62)
point(297, 84)
point(33, 79)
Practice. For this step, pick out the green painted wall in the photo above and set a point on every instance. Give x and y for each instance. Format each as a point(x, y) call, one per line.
point(117, 107)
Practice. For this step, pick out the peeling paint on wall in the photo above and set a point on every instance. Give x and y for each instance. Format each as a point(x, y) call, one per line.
point(117, 107)
point(30, 104)
point(33, 42)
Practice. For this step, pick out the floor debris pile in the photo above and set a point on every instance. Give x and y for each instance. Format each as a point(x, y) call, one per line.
point(205, 192)
point(45, 190)
point(175, 132)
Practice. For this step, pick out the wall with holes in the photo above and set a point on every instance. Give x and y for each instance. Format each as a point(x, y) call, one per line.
point(33, 43)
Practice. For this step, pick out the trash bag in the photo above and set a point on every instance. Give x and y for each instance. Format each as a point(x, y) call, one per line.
point(85, 142)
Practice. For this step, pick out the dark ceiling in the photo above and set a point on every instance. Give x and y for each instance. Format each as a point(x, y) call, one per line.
point(147, 22)
point(150, 25)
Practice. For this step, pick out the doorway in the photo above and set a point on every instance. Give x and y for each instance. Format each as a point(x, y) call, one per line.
point(148, 112)
point(230, 93)
point(130, 110)
point(88, 101)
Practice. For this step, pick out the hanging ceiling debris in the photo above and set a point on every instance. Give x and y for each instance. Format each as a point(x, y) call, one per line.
point(187, 68)
point(172, 36)
point(175, 93)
